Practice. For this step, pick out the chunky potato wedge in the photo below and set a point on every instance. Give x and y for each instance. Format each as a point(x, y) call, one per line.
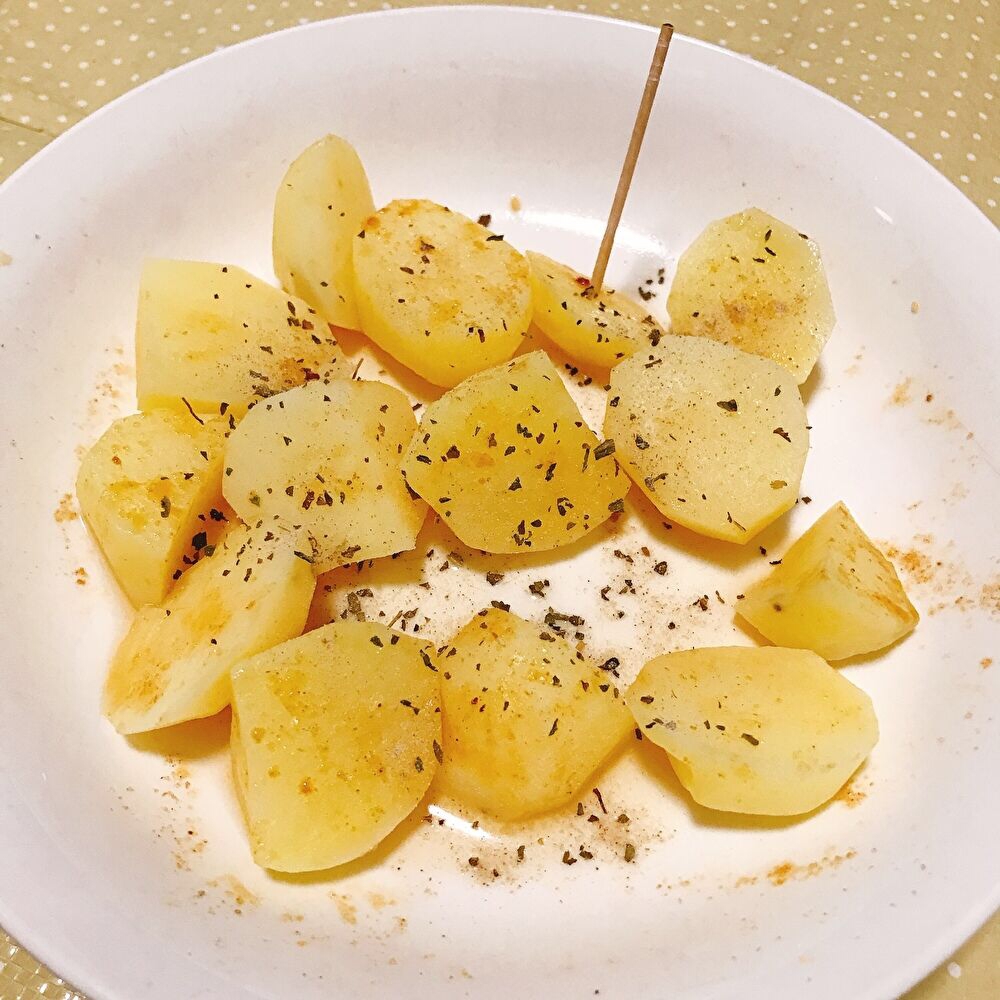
point(596, 330)
point(526, 719)
point(771, 732)
point(141, 488)
point(335, 740)
point(754, 282)
point(323, 201)
point(716, 438)
point(328, 457)
point(219, 338)
point(506, 459)
point(439, 292)
point(833, 593)
point(174, 663)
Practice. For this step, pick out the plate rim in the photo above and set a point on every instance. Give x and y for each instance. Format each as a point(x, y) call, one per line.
point(950, 937)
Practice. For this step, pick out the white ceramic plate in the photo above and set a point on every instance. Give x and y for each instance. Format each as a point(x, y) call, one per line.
point(124, 864)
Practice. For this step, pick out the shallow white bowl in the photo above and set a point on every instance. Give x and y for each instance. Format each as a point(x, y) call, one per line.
point(124, 864)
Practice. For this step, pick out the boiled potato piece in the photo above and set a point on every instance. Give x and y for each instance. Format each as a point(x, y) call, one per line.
point(833, 593)
point(218, 337)
point(174, 663)
point(770, 732)
point(756, 283)
point(335, 740)
point(596, 330)
point(439, 292)
point(328, 457)
point(141, 488)
point(323, 201)
point(506, 459)
point(526, 719)
point(716, 438)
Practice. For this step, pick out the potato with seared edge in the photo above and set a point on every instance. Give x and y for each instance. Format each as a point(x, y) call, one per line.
point(526, 718)
point(439, 292)
point(716, 438)
point(833, 592)
point(507, 461)
point(142, 487)
point(216, 338)
point(769, 732)
point(323, 200)
point(335, 739)
point(754, 282)
point(174, 663)
point(596, 329)
point(328, 457)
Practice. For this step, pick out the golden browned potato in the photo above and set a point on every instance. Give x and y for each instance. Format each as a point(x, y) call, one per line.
point(526, 718)
point(328, 457)
point(772, 732)
point(335, 740)
point(439, 292)
point(596, 330)
point(142, 487)
point(833, 593)
point(506, 459)
point(174, 663)
point(716, 438)
point(754, 282)
point(323, 201)
point(219, 338)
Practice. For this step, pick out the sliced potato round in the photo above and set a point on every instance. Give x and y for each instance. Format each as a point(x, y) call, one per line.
point(506, 459)
point(323, 200)
point(526, 718)
point(335, 740)
point(716, 438)
point(771, 732)
point(142, 487)
point(596, 330)
point(328, 457)
point(833, 592)
point(439, 292)
point(756, 283)
point(174, 663)
point(219, 338)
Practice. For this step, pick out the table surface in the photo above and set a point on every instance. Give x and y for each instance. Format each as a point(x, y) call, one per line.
point(925, 70)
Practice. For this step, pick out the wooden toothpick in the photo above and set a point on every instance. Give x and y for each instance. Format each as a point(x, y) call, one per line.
point(628, 167)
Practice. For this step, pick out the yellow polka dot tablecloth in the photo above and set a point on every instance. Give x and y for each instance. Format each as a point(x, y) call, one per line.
point(926, 70)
